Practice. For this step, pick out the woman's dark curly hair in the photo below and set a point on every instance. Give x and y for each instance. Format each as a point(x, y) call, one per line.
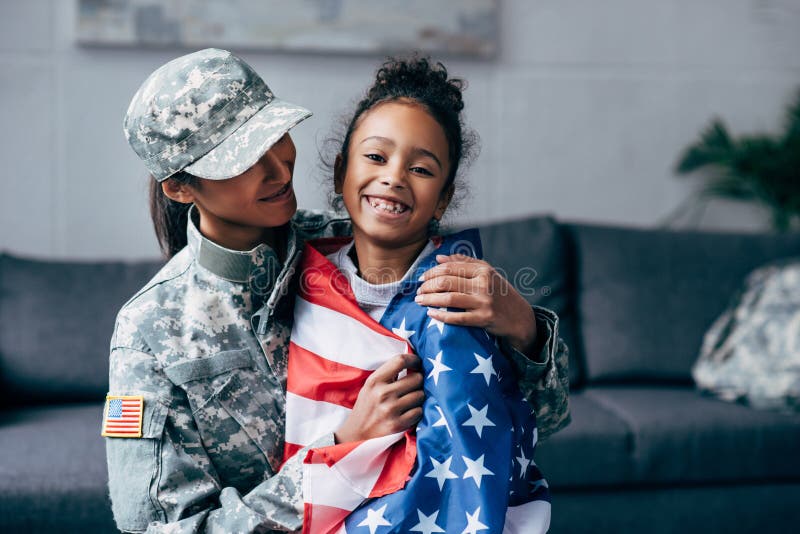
point(420, 81)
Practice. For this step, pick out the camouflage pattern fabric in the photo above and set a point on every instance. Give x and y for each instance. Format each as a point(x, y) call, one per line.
point(751, 353)
point(205, 343)
point(545, 384)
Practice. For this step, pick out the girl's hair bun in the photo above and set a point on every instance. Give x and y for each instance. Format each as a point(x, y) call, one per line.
point(420, 79)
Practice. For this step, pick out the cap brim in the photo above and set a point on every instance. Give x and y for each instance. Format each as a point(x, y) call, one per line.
point(244, 147)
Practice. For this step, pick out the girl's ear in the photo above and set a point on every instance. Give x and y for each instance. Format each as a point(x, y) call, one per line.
point(338, 175)
point(444, 201)
point(174, 190)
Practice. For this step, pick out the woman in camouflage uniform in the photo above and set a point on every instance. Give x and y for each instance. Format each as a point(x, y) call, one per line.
point(199, 354)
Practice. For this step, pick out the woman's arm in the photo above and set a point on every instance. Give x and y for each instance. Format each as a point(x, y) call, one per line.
point(165, 481)
point(544, 378)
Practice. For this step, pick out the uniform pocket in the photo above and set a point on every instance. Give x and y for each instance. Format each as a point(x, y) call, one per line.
point(256, 406)
point(239, 412)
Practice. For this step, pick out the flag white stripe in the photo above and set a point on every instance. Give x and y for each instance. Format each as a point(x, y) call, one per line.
point(308, 419)
point(350, 480)
point(322, 487)
point(340, 338)
point(363, 465)
point(532, 517)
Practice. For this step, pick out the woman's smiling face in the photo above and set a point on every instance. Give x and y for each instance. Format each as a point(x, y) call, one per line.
point(236, 212)
point(397, 166)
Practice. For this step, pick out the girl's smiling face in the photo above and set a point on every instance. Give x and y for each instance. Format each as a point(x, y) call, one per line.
point(397, 167)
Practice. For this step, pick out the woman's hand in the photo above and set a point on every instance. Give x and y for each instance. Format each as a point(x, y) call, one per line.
point(486, 297)
point(386, 404)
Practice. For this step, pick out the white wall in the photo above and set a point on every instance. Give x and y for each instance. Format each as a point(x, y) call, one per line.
point(582, 114)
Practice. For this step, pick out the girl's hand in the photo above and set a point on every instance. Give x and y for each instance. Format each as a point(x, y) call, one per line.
point(386, 404)
point(486, 297)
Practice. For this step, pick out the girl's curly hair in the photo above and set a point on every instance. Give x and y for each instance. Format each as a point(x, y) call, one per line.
point(420, 81)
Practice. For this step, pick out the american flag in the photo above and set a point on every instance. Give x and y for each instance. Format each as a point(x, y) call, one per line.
point(471, 467)
point(123, 417)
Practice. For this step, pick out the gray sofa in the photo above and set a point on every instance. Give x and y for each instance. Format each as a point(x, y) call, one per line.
point(645, 452)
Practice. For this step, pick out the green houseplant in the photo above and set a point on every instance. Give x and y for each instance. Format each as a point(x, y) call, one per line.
point(760, 168)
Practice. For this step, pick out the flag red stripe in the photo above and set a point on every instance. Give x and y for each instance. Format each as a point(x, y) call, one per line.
point(289, 450)
point(314, 377)
point(324, 285)
point(396, 471)
point(324, 455)
point(321, 519)
point(331, 454)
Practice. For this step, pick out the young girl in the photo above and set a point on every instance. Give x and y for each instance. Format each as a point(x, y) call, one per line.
point(194, 418)
point(474, 471)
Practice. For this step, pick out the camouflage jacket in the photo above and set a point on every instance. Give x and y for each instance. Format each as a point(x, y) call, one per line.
point(205, 344)
point(751, 353)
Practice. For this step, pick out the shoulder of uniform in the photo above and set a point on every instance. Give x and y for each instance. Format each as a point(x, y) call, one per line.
point(165, 278)
point(168, 284)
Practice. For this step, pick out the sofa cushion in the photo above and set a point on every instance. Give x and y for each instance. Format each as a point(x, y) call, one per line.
point(679, 435)
point(725, 508)
point(628, 435)
point(53, 475)
point(646, 297)
point(56, 320)
point(593, 450)
point(532, 255)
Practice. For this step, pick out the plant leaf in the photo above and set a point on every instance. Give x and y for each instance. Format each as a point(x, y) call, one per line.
point(792, 121)
point(761, 168)
point(714, 147)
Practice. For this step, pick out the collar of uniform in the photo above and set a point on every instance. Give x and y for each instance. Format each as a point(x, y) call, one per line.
point(293, 249)
point(232, 265)
point(263, 316)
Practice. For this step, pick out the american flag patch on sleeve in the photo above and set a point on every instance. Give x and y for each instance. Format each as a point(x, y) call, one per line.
point(122, 417)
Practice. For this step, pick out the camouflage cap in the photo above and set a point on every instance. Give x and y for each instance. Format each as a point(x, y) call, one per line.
point(207, 113)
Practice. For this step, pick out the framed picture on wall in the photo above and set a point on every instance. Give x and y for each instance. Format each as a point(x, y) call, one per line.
point(458, 27)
